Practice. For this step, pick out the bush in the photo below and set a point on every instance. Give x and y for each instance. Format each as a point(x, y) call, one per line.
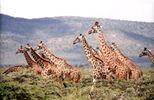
point(12, 91)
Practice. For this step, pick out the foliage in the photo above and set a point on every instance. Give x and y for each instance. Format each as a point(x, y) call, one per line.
point(29, 86)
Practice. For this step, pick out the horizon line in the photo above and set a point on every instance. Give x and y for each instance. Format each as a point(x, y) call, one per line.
point(76, 16)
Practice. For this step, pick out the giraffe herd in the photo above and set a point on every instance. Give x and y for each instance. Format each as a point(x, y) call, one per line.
point(107, 62)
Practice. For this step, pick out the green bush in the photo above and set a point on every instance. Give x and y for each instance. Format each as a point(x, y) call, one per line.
point(13, 91)
point(27, 86)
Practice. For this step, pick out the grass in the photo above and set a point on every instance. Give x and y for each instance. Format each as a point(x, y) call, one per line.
point(29, 86)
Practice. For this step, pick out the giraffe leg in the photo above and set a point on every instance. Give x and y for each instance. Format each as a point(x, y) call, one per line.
point(92, 87)
point(44, 74)
point(128, 75)
point(109, 78)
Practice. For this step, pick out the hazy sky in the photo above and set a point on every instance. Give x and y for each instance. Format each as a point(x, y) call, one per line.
point(136, 10)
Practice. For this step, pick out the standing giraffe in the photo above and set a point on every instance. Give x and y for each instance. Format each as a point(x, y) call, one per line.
point(135, 70)
point(122, 71)
point(69, 71)
point(99, 69)
point(36, 67)
point(147, 52)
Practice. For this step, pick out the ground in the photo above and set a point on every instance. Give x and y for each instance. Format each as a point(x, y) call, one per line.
point(28, 86)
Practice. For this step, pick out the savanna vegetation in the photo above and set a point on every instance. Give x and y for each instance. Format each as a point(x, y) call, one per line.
point(26, 85)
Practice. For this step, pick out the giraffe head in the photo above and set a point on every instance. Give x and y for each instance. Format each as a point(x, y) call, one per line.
point(78, 39)
point(96, 27)
point(21, 50)
point(28, 47)
point(144, 52)
point(40, 46)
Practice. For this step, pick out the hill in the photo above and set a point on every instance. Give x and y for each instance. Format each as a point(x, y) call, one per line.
point(58, 33)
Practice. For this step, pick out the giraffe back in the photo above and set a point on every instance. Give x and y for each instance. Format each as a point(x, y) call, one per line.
point(17, 68)
point(135, 70)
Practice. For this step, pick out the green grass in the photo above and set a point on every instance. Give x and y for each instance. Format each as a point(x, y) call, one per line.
point(29, 86)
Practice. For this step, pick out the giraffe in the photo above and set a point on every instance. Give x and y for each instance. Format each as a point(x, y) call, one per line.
point(69, 71)
point(135, 70)
point(16, 68)
point(99, 69)
point(41, 61)
point(49, 55)
point(35, 67)
point(122, 71)
point(147, 52)
point(49, 68)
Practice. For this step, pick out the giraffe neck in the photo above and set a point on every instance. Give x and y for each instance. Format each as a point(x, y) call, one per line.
point(106, 51)
point(37, 58)
point(119, 53)
point(46, 50)
point(28, 59)
point(151, 56)
point(88, 51)
point(51, 56)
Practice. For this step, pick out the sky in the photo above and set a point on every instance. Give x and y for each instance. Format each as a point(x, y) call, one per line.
point(134, 10)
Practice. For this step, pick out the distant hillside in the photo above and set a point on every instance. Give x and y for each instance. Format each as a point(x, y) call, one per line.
point(59, 32)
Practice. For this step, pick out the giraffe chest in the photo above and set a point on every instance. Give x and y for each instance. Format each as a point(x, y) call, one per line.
point(98, 73)
point(97, 68)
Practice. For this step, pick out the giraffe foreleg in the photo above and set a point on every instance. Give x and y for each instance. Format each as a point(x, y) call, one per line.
point(94, 83)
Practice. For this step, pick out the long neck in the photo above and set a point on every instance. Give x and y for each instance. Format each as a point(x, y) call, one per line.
point(150, 55)
point(118, 52)
point(46, 50)
point(106, 51)
point(51, 56)
point(102, 41)
point(28, 59)
point(38, 59)
point(87, 49)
